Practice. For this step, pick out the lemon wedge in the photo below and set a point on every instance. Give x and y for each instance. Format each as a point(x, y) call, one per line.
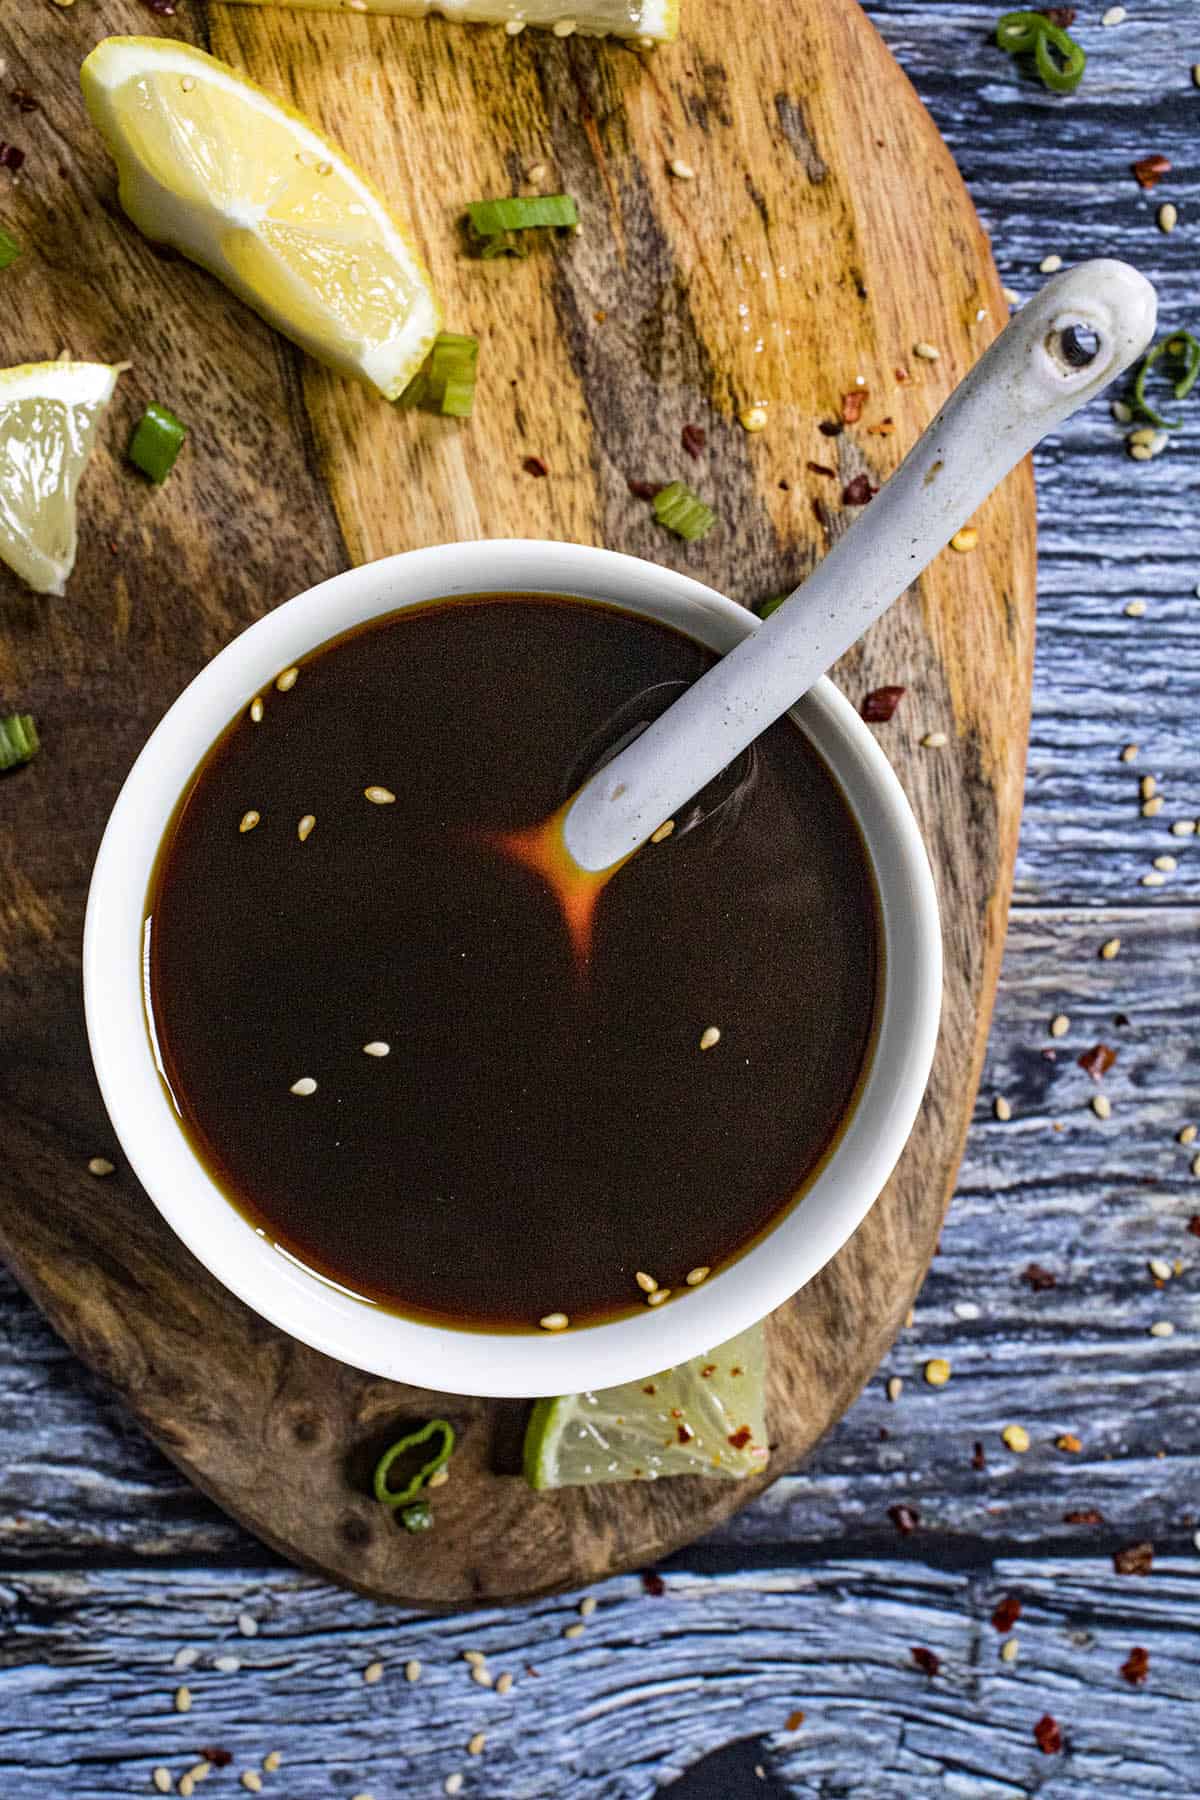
point(247, 188)
point(48, 418)
point(657, 21)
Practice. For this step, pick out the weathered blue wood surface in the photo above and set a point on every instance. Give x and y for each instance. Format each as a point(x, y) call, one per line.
point(809, 1601)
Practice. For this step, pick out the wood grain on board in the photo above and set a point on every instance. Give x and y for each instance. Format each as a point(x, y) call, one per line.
point(802, 256)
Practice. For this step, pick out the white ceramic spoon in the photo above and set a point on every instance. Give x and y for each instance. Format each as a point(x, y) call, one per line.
point(1073, 338)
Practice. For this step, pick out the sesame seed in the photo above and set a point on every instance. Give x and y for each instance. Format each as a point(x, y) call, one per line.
point(1153, 806)
point(965, 540)
point(271, 1761)
point(573, 1631)
point(1011, 296)
point(1116, 15)
point(554, 1322)
point(379, 796)
point(1050, 265)
point(439, 1478)
point(162, 1780)
point(303, 1088)
point(476, 1658)
point(256, 710)
point(514, 27)
point(753, 418)
point(185, 1658)
point(937, 1371)
point(199, 1771)
point(252, 1781)
point(710, 1037)
point(895, 1388)
point(1184, 828)
point(226, 1665)
point(1121, 412)
point(658, 1296)
point(1148, 786)
point(187, 1786)
point(412, 1670)
point(1102, 1106)
point(1016, 1438)
point(1135, 609)
point(1166, 863)
point(537, 172)
point(646, 1282)
point(376, 1047)
point(249, 820)
point(1140, 452)
point(324, 168)
point(564, 28)
point(247, 1624)
point(504, 1683)
point(1195, 1165)
point(1154, 879)
point(1196, 83)
point(188, 83)
point(1002, 1109)
point(1010, 1649)
point(1059, 1025)
point(664, 831)
point(1162, 1328)
point(695, 1276)
point(287, 681)
point(587, 1606)
point(1168, 216)
point(927, 352)
point(100, 1165)
point(453, 1783)
point(304, 828)
point(682, 171)
point(1129, 753)
point(475, 1745)
point(1160, 1270)
point(1109, 948)
point(934, 740)
point(183, 1700)
point(373, 1673)
point(1188, 1135)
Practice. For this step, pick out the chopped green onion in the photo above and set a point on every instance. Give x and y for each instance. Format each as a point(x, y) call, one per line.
point(418, 1517)
point(19, 742)
point(156, 442)
point(9, 249)
point(402, 1497)
point(491, 217)
point(445, 382)
point(765, 608)
point(683, 512)
point(1182, 348)
point(1059, 59)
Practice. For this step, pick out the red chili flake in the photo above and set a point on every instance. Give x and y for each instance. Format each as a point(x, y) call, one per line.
point(879, 705)
point(643, 490)
point(11, 157)
point(650, 1388)
point(530, 1670)
point(926, 1661)
point(1062, 16)
point(741, 1437)
point(830, 428)
point(1134, 1559)
point(1007, 1613)
point(1047, 1735)
point(885, 428)
point(708, 1369)
point(1193, 1224)
point(1136, 1666)
point(533, 465)
point(978, 1459)
point(1084, 1515)
point(1098, 1060)
point(820, 469)
point(694, 439)
point(653, 1583)
point(24, 101)
point(220, 1759)
point(906, 1519)
point(858, 491)
point(1049, 1055)
point(1039, 1279)
point(902, 375)
point(1149, 170)
point(684, 1433)
point(853, 403)
point(794, 1721)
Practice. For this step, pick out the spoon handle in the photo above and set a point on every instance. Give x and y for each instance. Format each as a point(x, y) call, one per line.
point(1073, 338)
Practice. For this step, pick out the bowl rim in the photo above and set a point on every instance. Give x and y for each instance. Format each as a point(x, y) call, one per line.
point(346, 1326)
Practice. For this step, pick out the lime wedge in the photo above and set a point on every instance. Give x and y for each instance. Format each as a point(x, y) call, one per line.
point(705, 1417)
point(655, 20)
point(247, 188)
point(48, 418)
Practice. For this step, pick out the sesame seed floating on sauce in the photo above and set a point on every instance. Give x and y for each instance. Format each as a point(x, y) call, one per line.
point(658, 1296)
point(287, 680)
point(304, 1087)
point(248, 820)
point(256, 710)
point(554, 1322)
point(664, 831)
point(695, 1276)
point(710, 1037)
point(304, 828)
point(379, 796)
point(376, 1047)
point(646, 1282)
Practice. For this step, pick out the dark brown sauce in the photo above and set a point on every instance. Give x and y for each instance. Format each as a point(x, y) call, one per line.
point(534, 1136)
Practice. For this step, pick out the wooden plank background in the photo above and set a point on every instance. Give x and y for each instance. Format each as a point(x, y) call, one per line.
point(810, 1601)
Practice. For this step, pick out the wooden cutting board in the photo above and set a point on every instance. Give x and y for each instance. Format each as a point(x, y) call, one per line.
point(824, 234)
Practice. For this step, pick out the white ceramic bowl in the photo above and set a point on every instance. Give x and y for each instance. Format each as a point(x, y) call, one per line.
point(354, 1330)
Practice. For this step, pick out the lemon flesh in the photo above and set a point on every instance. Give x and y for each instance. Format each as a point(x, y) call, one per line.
point(705, 1417)
point(48, 418)
point(244, 186)
point(655, 20)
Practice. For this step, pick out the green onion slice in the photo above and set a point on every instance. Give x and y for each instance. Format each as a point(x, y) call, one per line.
point(9, 249)
point(445, 382)
point(156, 442)
point(1059, 59)
point(403, 1497)
point(489, 218)
point(19, 741)
point(765, 608)
point(1182, 348)
point(683, 512)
